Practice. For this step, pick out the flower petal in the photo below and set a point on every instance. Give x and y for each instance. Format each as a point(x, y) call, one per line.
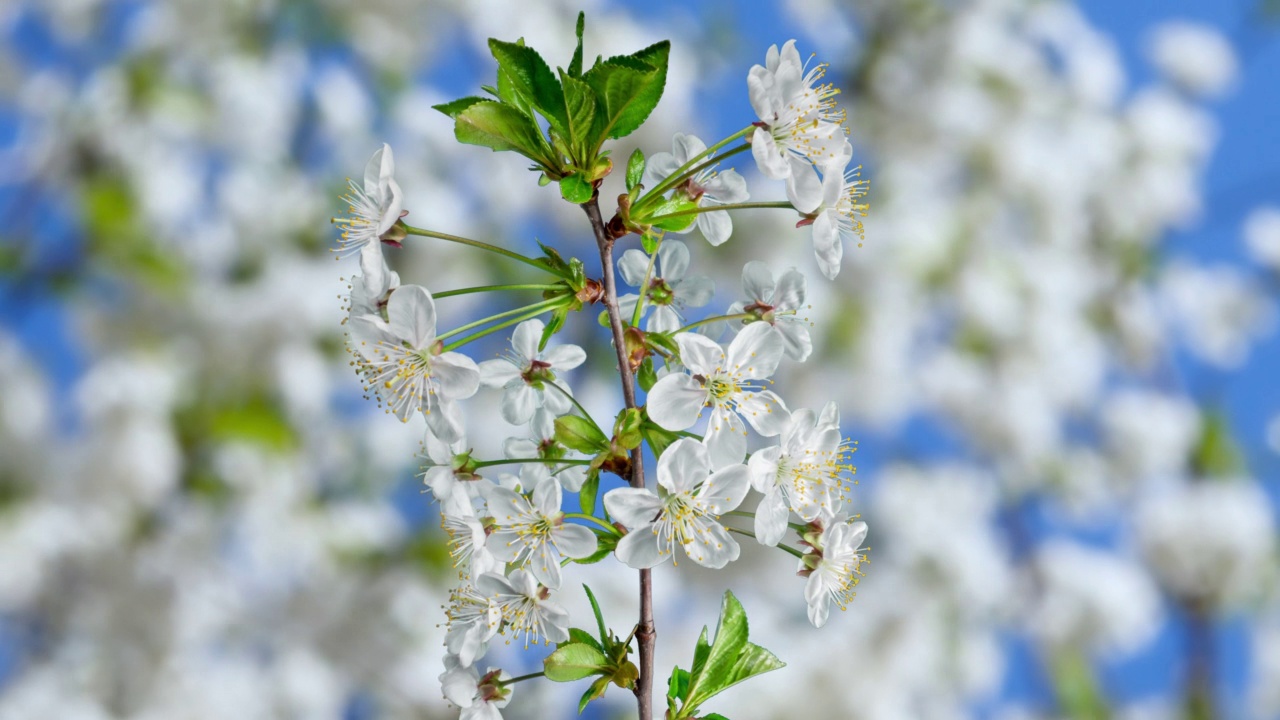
point(370, 336)
point(826, 244)
point(755, 352)
point(757, 282)
point(632, 507)
point(663, 320)
point(694, 291)
point(673, 259)
point(726, 438)
point(763, 468)
point(804, 187)
point(790, 291)
point(545, 566)
point(411, 314)
point(686, 147)
point(658, 167)
point(526, 337)
point(700, 354)
point(546, 496)
point(760, 91)
point(497, 372)
point(641, 549)
point(771, 518)
point(444, 418)
point(683, 466)
point(564, 357)
point(727, 187)
point(711, 545)
point(574, 541)
point(768, 158)
point(676, 401)
point(456, 376)
point(632, 266)
point(716, 226)
point(766, 412)
point(518, 403)
point(725, 489)
point(796, 343)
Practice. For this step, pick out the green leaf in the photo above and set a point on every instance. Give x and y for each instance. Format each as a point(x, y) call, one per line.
point(596, 690)
point(580, 114)
point(579, 433)
point(576, 189)
point(574, 661)
point(676, 204)
point(629, 87)
point(578, 635)
point(729, 659)
point(455, 108)
point(700, 652)
point(532, 79)
point(595, 609)
point(635, 170)
point(657, 437)
point(678, 685)
point(499, 127)
point(626, 428)
point(649, 242)
point(605, 549)
point(619, 84)
point(714, 716)
point(663, 341)
point(646, 375)
point(575, 65)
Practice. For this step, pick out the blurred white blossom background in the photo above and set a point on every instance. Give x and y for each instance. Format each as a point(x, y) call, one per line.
point(1055, 350)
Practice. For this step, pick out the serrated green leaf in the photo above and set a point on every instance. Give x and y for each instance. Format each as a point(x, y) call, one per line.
point(455, 108)
point(620, 85)
point(574, 662)
point(635, 170)
point(656, 55)
point(575, 65)
point(580, 114)
point(590, 489)
point(576, 189)
point(579, 433)
point(499, 127)
point(700, 652)
point(578, 635)
point(729, 659)
point(714, 716)
point(532, 79)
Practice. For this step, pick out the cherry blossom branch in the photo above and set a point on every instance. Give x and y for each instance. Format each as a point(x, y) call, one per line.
point(646, 634)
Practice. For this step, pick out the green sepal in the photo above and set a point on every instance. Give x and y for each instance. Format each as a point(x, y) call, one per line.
point(552, 327)
point(662, 341)
point(590, 489)
point(649, 242)
point(574, 661)
point(455, 108)
point(635, 169)
point(579, 433)
point(575, 189)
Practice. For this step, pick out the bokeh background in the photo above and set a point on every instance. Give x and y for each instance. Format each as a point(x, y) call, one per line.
point(1056, 351)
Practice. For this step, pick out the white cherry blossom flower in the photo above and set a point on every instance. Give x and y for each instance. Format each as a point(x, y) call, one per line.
point(806, 473)
point(833, 204)
point(525, 375)
point(402, 363)
point(526, 608)
point(727, 382)
point(449, 472)
point(543, 445)
point(473, 620)
point(833, 566)
point(533, 532)
point(374, 207)
point(799, 123)
point(669, 290)
point(777, 303)
point(481, 697)
point(706, 188)
point(467, 539)
point(690, 498)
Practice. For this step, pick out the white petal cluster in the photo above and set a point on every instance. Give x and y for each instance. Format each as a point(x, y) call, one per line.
point(707, 187)
point(665, 285)
point(778, 303)
point(529, 377)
